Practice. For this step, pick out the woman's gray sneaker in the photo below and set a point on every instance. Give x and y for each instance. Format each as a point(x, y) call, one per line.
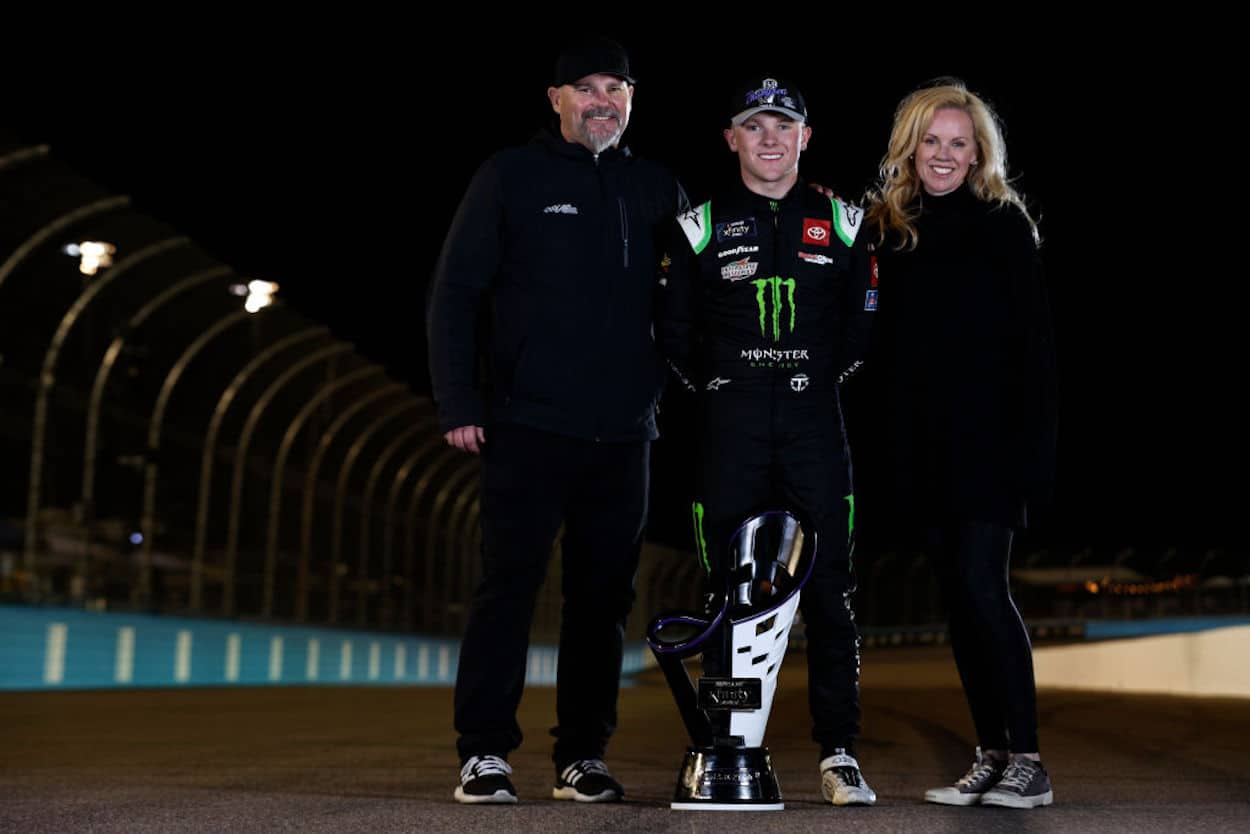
point(983, 775)
point(1024, 785)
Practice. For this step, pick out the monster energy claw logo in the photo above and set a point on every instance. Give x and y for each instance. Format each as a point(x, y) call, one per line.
point(696, 510)
point(762, 298)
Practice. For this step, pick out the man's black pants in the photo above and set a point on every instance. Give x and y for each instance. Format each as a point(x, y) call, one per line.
point(532, 482)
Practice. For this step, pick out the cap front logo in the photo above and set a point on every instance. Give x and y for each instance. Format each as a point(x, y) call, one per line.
point(767, 93)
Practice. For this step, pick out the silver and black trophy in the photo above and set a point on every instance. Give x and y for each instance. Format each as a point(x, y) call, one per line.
point(743, 636)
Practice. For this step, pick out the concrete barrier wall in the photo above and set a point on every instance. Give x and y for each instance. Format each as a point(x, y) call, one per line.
point(57, 648)
point(61, 648)
point(1211, 662)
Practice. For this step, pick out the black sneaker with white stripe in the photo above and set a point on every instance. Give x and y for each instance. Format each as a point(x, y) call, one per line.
point(1024, 785)
point(484, 780)
point(587, 780)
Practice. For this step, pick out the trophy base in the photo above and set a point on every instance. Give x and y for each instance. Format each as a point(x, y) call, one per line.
point(727, 779)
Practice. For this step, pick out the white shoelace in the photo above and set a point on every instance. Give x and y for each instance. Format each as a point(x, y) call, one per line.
point(1018, 775)
point(978, 773)
point(484, 766)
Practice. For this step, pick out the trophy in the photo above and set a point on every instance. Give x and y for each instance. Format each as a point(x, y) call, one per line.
point(743, 635)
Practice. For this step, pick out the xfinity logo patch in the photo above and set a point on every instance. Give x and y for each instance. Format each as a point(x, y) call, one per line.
point(812, 258)
point(799, 382)
point(817, 231)
point(561, 208)
point(736, 229)
point(738, 250)
point(870, 300)
point(738, 270)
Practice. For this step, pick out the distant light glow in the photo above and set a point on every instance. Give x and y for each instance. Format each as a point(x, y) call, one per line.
point(1106, 586)
point(136, 537)
point(259, 294)
point(93, 255)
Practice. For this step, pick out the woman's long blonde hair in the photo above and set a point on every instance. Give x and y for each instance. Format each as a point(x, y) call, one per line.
point(892, 209)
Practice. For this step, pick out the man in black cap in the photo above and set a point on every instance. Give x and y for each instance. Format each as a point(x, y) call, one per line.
point(555, 240)
point(765, 313)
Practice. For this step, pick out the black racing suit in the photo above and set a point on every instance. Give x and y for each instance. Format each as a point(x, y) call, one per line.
point(766, 309)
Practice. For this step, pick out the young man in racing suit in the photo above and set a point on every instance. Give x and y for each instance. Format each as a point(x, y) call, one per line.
point(765, 310)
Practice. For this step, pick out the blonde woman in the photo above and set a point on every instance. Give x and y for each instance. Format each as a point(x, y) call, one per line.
point(968, 358)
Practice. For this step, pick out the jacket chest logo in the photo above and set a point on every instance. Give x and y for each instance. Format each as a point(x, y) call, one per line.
point(736, 251)
point(561, 208)
point(737, 270)
point(735, 229)
point(817, 232)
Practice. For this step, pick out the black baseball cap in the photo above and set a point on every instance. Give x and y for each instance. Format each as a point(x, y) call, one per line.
point(591, 56)
point(764, 94)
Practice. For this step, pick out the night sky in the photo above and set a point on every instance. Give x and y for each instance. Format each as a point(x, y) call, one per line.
point(334, 168)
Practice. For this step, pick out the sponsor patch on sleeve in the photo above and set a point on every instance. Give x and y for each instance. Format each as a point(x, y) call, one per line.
point(870, 300)
point(846, 220)
point(695, 223)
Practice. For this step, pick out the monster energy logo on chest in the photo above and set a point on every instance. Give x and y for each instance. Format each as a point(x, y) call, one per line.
point(767, 289)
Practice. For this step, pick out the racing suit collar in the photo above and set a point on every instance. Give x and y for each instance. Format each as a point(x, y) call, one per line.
point(794, 195)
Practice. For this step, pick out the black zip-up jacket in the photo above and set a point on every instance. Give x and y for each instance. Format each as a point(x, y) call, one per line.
point(768, 295)
point(562, 245)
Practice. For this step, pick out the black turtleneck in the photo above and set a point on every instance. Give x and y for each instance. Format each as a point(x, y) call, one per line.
point(968, 355)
